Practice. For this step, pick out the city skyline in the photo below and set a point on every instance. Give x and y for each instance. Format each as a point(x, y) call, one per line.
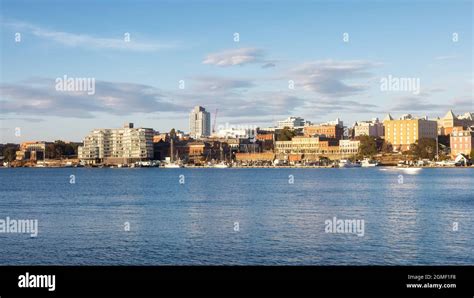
point(207, 55)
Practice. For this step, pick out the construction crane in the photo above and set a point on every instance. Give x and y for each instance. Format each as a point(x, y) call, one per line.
point(215, 121)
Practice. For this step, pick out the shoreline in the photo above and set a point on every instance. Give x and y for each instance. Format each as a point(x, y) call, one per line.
point(254, 167)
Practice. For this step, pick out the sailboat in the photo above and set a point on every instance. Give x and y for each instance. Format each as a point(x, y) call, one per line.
point(222, 164)
point(172, 164)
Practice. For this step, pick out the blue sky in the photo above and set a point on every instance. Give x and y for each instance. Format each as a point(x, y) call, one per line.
point(247, 80)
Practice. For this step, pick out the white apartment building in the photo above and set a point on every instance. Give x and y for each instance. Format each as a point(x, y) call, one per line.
point(349, 147)
point(236, 133)
point(199, 123)
point(117, 146)
point(292, 122)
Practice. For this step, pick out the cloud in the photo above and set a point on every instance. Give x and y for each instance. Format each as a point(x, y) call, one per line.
point(331, 78)
point(220, 84)
point(417, 104)
point(264, 104)
point(87, 41)
point(39, 97)
point(447, 57)
point(240, 56)
point(26, 119)
point(268, 65)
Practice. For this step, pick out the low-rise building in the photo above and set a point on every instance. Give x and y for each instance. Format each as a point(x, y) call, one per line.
point(313, 148)
point(349, 147)
point(31, 151)
point(373, 128)
point(266, 141)
point(334, 131)
point(461, 141)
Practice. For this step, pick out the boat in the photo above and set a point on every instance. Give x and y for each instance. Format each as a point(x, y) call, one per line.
point(173, 166)
point(220, 165)
point(345, 163)
point(366, 163)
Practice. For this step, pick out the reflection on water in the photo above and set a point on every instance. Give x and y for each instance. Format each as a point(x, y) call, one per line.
point(408, 220)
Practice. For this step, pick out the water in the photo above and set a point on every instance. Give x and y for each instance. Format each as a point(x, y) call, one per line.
point(279, 223)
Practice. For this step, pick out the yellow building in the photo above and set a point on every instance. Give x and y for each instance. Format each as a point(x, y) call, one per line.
point(407, 130)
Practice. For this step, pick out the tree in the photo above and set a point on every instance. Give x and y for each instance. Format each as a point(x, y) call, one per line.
point(387, 147)
point(9, 152)
point(173, 134)
point(59, 149)
point(471, 156)
point(368, 146)
point(285, 134)
point(424, 149)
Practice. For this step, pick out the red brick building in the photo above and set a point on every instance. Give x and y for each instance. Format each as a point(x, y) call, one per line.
point(461, 141)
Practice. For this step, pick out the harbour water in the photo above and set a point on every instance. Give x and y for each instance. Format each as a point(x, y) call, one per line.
point(154, 216)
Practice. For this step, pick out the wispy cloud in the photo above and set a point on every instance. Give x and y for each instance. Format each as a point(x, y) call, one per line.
point(421, 104)
point(447, 57)
point(332, 78)
point(239, 56)
point(39, 97)
point(88, 41)
point(220, 84)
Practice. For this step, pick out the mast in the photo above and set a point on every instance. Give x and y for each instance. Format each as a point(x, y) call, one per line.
point(172, 149)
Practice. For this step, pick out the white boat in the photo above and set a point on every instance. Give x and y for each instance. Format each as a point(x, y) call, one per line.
point(221, 165)
point(345, 163)
point(173, 166)
point(369, 163)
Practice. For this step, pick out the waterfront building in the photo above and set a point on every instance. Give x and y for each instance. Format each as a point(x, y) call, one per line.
point(407, 130)
point(461, 141)
point(373, 128)
point(199, 123)
point(312, 148)
point(117, 146)
point(31, 151)
point(349, 147)
point(255, 157)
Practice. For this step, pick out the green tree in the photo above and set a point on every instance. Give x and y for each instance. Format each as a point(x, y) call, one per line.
point(285, 134)
point(173, 134)
point(387, 147)
point(423, 149)
point(9, 152)
point(471, 156)
point(368, 146)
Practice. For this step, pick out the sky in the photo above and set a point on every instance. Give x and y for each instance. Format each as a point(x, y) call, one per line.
point(255, 62)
